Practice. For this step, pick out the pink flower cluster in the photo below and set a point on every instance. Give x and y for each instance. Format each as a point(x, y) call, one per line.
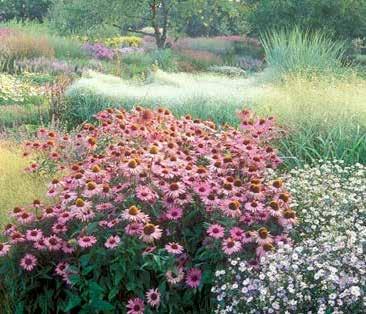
point(139, 174)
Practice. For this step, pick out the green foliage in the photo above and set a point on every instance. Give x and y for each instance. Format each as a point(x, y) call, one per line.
point(24, 9)
point(66, 48)
point(297, 51)
point(342, 18)
point(214, 17)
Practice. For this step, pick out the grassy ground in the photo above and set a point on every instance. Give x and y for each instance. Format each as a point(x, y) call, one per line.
point(16, 187)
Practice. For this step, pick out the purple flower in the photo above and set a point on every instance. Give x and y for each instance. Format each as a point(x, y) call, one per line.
point(99, 51)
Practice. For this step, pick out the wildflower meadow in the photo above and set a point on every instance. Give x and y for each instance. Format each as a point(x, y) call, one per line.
point(182, 157)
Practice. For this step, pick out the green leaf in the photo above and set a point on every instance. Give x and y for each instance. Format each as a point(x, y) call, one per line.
point(95, 290)
point(73, 302)
point(100, 305)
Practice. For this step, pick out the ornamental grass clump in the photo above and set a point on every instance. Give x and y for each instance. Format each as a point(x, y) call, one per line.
point(19, 46)
point(149, 206)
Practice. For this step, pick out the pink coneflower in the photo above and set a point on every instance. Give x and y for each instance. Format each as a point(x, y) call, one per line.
point(145, 194)
point(52, 192)
point(61, 268)
point(40, 245)
point(4, 249)
point(193, 277)
point(16, 237)
point(248, 237)
point(216, 231)
point(149, 250)
point(112, 242)
point(59, 228)
point(174, 189)
point(264, 249)
point(28, 262)
point(134, 214)
point(55, 184)
point(202, 189)
point(134, 228)
point(174, 213)
point(87, 241)
point(175, 276)
point(113, 222)
point(150, 233)
point(53, 243)
point(153, 297)
point(231, 246)
point(82, 210)
point(253, 206)
point(288, 218)
point(104, 207)
point(231, 208)
point(48, 212)
point(174, 248)
point(135, 306)
point(9, 229)
point(282, 239)
point(263, 236)
point(67, 248)
point(132, 167)
point(237, 233)
point(25, 218)
point(119, 199)
point(34, 235)
point(64, 217)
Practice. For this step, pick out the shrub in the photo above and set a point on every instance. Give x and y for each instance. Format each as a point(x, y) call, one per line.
point(325, 270)
point(99, 51)
point(201, 60)
point(296, 51)
point(148, 202)
point(223, 45)
point(21, 46)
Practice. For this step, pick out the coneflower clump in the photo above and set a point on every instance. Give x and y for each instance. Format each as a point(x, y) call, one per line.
point(147, 195)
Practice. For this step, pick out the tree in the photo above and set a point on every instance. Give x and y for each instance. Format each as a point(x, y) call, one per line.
point(341, 18)
point(173, 17)
point(24, 9)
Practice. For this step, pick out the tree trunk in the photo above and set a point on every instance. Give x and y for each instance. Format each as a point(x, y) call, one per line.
point(160, 38)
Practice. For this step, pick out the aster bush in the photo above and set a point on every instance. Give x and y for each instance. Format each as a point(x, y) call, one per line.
point(148, 207)
point(99, 51)
point(324, 272)
point(328, 197)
